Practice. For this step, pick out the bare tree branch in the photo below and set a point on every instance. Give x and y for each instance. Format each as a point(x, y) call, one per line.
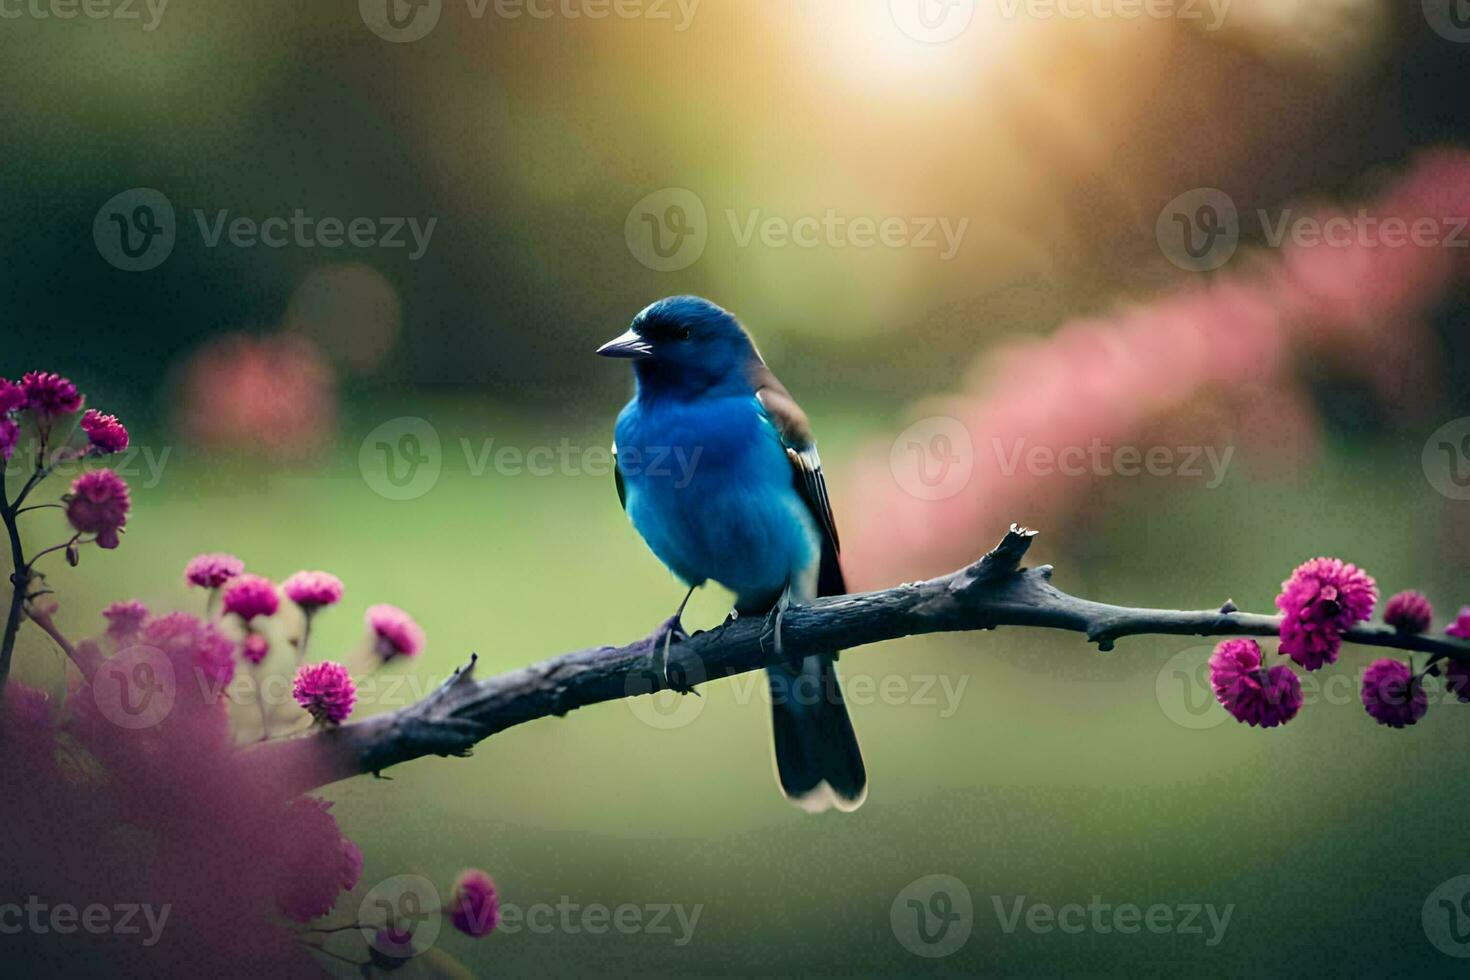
point(994, 591)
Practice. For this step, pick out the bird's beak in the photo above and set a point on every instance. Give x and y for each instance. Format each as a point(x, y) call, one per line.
point(628, 345)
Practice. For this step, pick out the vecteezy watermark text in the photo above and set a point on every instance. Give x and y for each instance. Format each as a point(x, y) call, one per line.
point(137, 230)
point(40, 917)
point(1200, 230)
point(405, 21)
point(119, 10)
point(594, 918)
point(669, 229)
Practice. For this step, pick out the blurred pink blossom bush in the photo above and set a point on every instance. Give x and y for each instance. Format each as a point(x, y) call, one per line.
point(1214, 364)
point(130, 791)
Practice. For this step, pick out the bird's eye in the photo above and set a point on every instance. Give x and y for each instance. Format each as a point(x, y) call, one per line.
point(682, 333)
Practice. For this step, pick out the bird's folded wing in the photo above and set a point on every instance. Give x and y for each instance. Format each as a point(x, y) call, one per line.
point(795, 432)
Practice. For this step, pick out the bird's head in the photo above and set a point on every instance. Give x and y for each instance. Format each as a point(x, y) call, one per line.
point(686, 344)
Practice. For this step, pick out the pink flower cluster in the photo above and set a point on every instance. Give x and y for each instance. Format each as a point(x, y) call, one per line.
point(45, 396)
point(394, 631)
point(99, 500)
point(210, 571)
point(249, 596)
point(98, 504)
point(326, 691)
point(1249, 691)
point(313, 590)
point(1323, 598)
point(1321, 601)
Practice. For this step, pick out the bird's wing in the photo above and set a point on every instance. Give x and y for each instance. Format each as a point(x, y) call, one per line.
point(795, 432)
point(618, 479)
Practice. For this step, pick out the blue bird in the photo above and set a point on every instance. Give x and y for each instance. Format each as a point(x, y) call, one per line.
point(718, 471)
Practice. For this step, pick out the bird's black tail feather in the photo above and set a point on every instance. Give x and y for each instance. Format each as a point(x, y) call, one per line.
point(818, 762)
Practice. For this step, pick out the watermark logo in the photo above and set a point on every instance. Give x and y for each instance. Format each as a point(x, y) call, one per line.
point(932, 21)
point(401, 916)
point(136, 230)
point(1183, 690)
point(1446, 917)
point(402, 458)
point(401, 21)
point(1449, 18)
point(933, 916)
point(1446, 459)
point(667, 230)
point(136, 688)
point(1199, 230)
point(933, 459)
point(666, 710)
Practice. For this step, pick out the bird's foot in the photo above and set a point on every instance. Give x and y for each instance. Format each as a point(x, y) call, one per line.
point(665, 635)
point(772, 627)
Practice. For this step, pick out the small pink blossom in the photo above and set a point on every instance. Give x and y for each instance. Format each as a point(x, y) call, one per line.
point(104, 432)
point(255, 648)
point(248, 596)
point(395, 632)
point(315, 861)
point(326, 691)
point(190, 642)
point(1323, 599)
point(98, 504)
point(1461, 626)
point(475, 907)
point(9, 433)
point(49, 394)
point(12, 396)
point(1409, 612)
point(210, 571)
point(1457, 679)
point(1251, 693)
point(313, 590)
point(1392, 695)
point(125, 618)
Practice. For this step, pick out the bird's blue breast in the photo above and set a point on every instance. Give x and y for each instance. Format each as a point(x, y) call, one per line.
point(709, 487)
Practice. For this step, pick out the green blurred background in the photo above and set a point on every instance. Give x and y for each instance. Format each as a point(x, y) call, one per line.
point(1053, 772)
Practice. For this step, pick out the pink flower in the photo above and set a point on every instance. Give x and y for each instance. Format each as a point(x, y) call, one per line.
point(210, 571)
point(125, 618)
point(314, 859)
point(475, 907)
point(12, 396)
point(1392, 695)
point(1323, 598)
point(396, 634)
point(1457, 679)
point(326, 691)
point(104, 432)
point(9, 433)
point(313, 590)
point(49, 394)
point(255, 648)
point(98, 504)
point(1461, 626)
point(1409, 612)
point(190, 642)
point(1248, 691)
point(351, 865)
point(392, 946)
point(248, 596)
